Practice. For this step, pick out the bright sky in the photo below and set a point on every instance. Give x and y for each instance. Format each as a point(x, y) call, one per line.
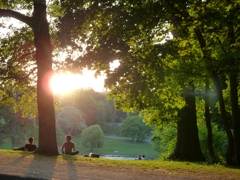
point(64, 83)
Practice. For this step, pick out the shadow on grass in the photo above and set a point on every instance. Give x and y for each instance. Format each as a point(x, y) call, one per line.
point(40, 168)
point(70, 159)
point(18, 160)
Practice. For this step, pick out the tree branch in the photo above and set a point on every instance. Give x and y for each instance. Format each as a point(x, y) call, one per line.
point(16, 15)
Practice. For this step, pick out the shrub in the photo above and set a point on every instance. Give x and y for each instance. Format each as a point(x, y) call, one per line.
point(92, 137)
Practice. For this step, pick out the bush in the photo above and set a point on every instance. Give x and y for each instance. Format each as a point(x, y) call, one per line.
point(92, 137)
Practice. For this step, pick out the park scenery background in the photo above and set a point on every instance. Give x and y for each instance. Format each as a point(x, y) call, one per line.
point(78, 109)
point(125, 132)
point(169, 77)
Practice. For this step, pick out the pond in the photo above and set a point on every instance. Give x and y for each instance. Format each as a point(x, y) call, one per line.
point(123, 157)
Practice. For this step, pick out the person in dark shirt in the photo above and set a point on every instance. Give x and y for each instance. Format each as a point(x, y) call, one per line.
point(28, 147)
point(68, 146)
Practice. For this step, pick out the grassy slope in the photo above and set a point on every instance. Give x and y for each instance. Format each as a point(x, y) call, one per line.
point(124, 147)
point(170, 167)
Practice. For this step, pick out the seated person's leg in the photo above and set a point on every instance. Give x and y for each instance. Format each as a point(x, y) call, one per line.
point(75, 152)
point(21, 148)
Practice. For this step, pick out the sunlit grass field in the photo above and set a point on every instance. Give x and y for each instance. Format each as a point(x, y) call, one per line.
point(123, 146)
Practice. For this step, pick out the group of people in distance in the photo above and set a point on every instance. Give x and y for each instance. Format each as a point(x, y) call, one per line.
point(141, 157)
point(67, 148)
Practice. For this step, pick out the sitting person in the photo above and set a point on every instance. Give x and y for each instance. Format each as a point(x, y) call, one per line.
point(68, 146)
point(28, 147)
point(139, 157)
point(143, 157)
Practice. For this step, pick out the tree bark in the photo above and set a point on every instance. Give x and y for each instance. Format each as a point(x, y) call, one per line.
point(235, 116)
point(208, 123)
point(230, 147)
point(47, 143)
point(187, 146)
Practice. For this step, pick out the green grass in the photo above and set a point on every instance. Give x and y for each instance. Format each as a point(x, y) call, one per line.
point(124, 147)
point(170, 167)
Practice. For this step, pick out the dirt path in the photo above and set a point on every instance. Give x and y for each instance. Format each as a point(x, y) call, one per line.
point(45, 168)
point(148, 141)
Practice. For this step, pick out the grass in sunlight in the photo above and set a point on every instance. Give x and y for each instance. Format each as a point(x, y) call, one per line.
point(170, 167)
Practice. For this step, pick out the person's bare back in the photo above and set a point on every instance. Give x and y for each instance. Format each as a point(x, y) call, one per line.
point(68, 146)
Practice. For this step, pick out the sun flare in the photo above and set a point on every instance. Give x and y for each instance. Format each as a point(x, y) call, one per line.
point(63, 83)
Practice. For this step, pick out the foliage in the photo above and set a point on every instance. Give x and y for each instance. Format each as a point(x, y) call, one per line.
point(95, 107)
point(120, 115)
point(135, 128)
point(13, 125)
point(92, 137)
point(34, 130)
point(19, 70)
point(101, 115)
point(219, 141)
point(70, 119)
point(164, 140)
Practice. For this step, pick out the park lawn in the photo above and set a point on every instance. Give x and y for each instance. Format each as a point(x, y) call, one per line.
point(189, 169)
point(123, 146)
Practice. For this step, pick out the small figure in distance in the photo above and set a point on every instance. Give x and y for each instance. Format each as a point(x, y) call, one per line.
point(139, 157)
point(28, 147)
point(68, 146)
point(143, 157)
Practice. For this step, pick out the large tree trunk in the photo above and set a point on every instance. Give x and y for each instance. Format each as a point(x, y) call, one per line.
point(230, 147)
point(208, 123)
point(187, 146)
point(235, 116)
point(47, 143)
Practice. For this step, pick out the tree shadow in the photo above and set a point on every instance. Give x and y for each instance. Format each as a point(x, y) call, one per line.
point(72, 172)
point(41, 167)
point(18, 160)
point(21, 158)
